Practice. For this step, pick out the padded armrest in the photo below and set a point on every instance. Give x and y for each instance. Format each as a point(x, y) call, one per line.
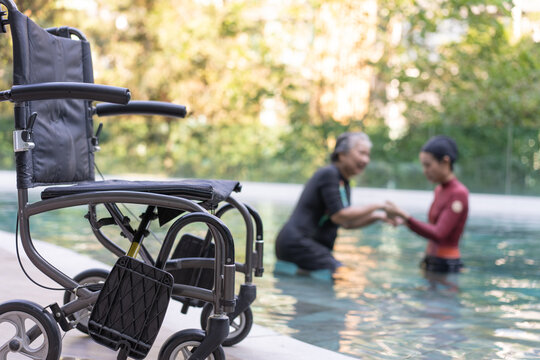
point(67, 90)
point(142, 108)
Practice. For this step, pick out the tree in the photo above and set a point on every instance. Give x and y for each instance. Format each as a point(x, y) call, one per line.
point(478, 87)
point(270, 85)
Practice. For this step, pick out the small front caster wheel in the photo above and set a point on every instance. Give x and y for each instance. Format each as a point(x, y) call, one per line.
point(239, 327)
point(28, 331)
point(181, 345)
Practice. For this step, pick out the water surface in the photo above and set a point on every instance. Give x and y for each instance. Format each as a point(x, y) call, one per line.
point(385, 308)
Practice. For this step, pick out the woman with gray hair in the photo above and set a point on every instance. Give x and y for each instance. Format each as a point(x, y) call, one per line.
point(308, 237)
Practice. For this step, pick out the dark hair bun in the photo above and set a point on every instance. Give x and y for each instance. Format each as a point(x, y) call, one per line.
point(440, 146)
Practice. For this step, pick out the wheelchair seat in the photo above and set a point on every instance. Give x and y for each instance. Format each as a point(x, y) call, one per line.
point(209, 192)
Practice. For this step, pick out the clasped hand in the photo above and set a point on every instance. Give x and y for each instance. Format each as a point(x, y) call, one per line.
point(393, 215)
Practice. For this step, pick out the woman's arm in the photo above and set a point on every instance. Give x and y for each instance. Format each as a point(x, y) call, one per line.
point(439, 231)
point(446, 222)
point(355, 216)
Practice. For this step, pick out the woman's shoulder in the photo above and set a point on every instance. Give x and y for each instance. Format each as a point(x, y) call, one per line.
point(324, 175)
point(460, 189)
point(328, 170)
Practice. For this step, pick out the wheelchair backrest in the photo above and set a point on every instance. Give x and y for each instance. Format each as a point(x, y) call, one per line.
point(63, 130)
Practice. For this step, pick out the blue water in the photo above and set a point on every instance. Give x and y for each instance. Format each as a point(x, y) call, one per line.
point(385, 308)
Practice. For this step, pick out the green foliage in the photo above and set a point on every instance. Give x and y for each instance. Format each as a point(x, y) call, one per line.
point(225, 60)
point(480, 88)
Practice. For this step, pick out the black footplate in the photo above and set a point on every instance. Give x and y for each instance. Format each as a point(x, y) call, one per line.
point(130, 308)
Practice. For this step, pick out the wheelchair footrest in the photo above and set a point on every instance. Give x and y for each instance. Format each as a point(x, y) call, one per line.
point(131, 307)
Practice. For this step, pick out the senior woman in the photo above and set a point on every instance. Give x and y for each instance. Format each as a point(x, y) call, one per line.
point(307, 238)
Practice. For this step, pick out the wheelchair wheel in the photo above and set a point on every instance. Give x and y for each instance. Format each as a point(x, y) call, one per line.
point(90, 276)
point(239, 327)
point(29, 331)
point(182, 344)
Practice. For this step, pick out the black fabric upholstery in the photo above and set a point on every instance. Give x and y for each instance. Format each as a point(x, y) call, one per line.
point(63, 129)
point(209, 191)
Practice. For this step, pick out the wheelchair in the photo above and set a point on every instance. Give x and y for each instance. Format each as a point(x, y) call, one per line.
point(241, 319)
point(55, 144)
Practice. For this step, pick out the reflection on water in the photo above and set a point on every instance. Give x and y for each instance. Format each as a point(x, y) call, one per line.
point(385, 308)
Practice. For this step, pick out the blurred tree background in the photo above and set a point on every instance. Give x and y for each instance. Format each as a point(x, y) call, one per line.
point(270, 84)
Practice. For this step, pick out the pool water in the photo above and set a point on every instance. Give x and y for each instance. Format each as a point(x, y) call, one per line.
point(385, 308)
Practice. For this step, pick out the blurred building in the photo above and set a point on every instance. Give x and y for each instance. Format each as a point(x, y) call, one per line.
point(526, 19)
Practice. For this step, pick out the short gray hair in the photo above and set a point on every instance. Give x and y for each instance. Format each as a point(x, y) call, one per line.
point(346, 141)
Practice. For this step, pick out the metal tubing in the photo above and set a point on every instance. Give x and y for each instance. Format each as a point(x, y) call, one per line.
point(118, 218)
point(80, 302)
point(26, 210)
point(259, 250)
point(102, 197)
point(189, 263)
point(226, 245)
point(258, 222)
point(144, 225)
point(102, 238)
point(247, 269)
point(228, 289)
point(249, 237)
point(127, 230)
point(224, 255)
point(38, 261)
point(259, 242)
point(193, 292)
point(241, 268)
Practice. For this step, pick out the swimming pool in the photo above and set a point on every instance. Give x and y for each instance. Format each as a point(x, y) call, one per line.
point(386, 309)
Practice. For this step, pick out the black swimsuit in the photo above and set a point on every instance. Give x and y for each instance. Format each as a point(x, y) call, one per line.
point(308, 237)
point(441, 265)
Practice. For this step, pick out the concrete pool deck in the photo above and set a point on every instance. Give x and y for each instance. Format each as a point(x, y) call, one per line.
point(261, 344)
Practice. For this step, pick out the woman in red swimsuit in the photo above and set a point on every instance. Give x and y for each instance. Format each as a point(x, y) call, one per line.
point(448, 212)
